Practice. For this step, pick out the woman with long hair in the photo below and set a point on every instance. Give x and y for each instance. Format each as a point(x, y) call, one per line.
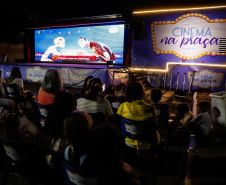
point(16, 78)
point(84, 89)
point(51, 85)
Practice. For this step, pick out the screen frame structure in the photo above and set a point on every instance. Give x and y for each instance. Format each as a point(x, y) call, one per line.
point(30, 42)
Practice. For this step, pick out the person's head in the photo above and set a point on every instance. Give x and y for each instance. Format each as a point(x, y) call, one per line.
point(203, 106)
point(60, 42)
point(82, 42)
point(182, 109)
point(124, 78)
point(77, 128)
point(85, 85)
point(134, 91)
point(156, 95)
point(110, 89)
point(94, 87)
point(52, 81)
point(105, 144)
point(15, 73)
point(215, 114)
point(64, 103)
point(87, 80)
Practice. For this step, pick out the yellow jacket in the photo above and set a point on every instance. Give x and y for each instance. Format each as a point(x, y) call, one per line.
point(137, 110)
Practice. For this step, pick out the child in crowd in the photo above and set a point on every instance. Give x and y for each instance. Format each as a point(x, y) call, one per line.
point(110, 93)
point(201, 124)
point(162, 110)
point(77, 128)
point(156, 95)
point(185, 113)
point(183, 117)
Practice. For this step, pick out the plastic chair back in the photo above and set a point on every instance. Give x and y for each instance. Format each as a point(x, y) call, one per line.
point(43, 112)
point(12, 90)
point(139, 130)
point(73, 177)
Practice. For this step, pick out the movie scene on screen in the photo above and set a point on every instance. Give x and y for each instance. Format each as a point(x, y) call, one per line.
point(95, 44)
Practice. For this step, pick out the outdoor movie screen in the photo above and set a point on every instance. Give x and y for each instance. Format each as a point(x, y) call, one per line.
point(90, 44)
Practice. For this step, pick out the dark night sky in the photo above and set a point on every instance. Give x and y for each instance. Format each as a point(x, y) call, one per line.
point(17, 15)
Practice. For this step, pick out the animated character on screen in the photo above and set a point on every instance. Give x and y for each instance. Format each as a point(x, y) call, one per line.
point(98, 48)
point(59, 42)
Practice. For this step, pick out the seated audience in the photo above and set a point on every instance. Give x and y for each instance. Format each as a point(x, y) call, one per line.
point(104, 157)
point(77, 128)
point(120, 98)
point(64, 103)
point(112, 97)
point(91, 103)
point(110, 93)
point(184, 115)
point(201, 124)
point(51, 85)
point(135, 107)
point(16, 78)
point(85, 89)
point(156, 96)
point(215, 115)
point(162, 110)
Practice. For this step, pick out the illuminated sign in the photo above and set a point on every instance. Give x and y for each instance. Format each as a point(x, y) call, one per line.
point(206, 78)
point(190, 36)
point(35, 74)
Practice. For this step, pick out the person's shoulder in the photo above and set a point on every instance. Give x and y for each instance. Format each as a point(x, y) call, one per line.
point(40, 89)
point(17, 80)
point(206, 114)
point(102, 101)
point(148, 104)
point(83, 101)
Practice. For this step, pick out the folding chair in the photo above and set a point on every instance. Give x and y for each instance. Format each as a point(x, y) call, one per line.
point(12, 92)
point(43, 112)
point(139, 131)
point(140, 144)
point(73, 177)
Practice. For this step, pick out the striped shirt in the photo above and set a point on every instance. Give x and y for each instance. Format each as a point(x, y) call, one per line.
point(94, 106)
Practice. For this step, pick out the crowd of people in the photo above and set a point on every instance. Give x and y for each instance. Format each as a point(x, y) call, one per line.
point(83, 127)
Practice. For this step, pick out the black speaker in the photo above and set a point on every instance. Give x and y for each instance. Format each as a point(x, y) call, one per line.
point(139, 30)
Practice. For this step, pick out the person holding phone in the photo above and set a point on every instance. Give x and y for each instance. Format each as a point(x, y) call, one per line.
point(92, 103)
